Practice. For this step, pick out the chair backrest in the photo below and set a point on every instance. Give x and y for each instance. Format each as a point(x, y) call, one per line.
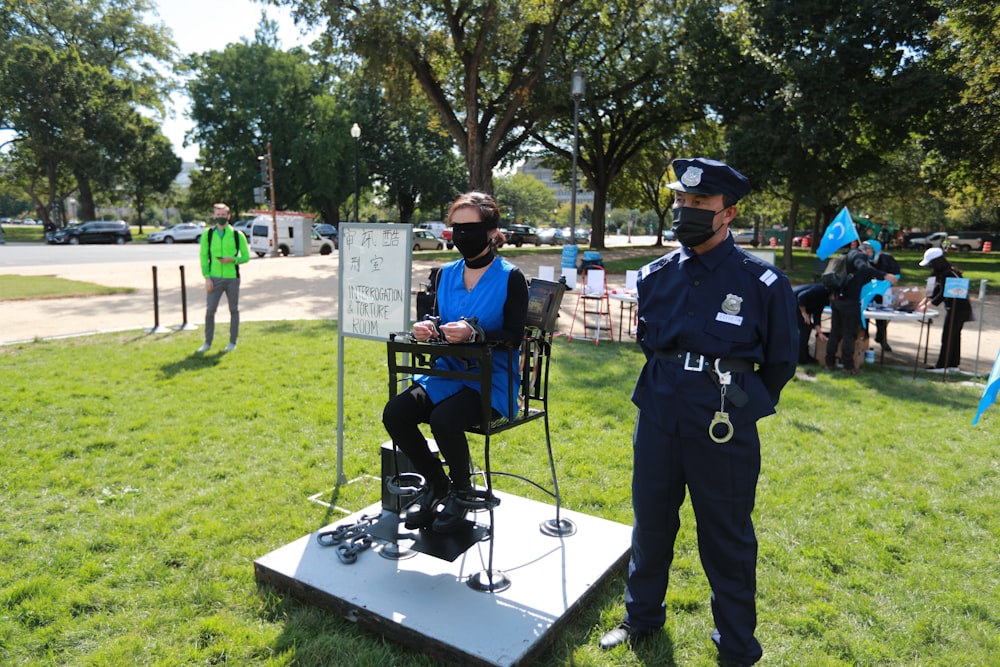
point(544, 299)
point(631, 279)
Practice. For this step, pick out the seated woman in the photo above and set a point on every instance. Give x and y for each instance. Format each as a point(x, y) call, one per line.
point(480, 297)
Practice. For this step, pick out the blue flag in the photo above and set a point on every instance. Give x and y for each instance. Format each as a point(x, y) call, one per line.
point(990, 394)
point(839, 233)
point(873, 289)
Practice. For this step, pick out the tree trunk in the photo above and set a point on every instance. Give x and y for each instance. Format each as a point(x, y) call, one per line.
point(793, 217)
point(87, 208)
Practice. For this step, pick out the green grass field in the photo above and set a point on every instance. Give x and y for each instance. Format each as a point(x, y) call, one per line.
point(139, 483)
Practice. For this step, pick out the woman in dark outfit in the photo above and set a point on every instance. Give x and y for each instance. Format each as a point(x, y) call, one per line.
point(481, 297)
point(958, 311)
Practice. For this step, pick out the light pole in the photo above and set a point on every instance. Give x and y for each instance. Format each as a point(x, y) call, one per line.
point(356, 133)
point(577, 91)
point(274, 203)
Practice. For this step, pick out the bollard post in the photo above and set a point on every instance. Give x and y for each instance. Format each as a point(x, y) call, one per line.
point(156, 307)
point(185, 325)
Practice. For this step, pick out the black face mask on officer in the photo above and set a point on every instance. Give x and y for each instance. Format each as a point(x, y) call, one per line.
point(471, 238)
point(693, 226)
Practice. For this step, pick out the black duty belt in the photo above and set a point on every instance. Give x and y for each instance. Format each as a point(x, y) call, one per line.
point(692, 361)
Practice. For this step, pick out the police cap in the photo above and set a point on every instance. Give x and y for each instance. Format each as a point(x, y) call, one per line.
point(703, 176)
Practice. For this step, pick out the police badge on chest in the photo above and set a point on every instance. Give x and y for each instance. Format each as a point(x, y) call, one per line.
point(730, 310)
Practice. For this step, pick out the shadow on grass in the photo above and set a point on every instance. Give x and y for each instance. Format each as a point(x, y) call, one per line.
point(195, 362)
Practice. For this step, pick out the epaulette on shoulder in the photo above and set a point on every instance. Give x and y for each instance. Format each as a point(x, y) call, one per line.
point(657, 264)
point(763, 271)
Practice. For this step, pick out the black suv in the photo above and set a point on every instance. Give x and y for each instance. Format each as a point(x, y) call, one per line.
point(520, 234)
point(96, 231)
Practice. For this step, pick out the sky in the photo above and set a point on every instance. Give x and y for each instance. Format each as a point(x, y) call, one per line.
point(205, 25)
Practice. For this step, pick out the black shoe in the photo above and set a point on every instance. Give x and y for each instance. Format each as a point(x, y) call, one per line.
point(424, 508)
point(452, 517)
point(885, 347)
point(624, 633)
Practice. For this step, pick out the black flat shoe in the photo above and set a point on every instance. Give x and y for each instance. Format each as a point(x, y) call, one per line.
point(424, 509)
point(623, 634)
point(452, 517)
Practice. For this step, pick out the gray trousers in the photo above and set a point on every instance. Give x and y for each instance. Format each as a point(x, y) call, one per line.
point(231, 288)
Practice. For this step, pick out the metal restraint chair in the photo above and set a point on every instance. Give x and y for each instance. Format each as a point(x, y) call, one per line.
point(596, 304)
point(406, 358)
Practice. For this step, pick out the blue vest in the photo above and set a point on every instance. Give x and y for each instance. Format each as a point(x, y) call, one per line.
point(484, 301)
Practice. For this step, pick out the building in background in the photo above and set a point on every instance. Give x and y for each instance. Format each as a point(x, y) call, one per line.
point(562, 192)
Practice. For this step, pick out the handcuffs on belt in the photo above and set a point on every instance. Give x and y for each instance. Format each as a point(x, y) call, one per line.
point(721, 416)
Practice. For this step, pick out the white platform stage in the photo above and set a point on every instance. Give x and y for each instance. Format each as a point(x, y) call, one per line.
point(425, 603)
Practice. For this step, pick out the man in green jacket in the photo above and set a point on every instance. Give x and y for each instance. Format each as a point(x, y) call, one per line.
point(223, 249)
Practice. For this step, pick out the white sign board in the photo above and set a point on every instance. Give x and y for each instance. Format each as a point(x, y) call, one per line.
point(374, 279)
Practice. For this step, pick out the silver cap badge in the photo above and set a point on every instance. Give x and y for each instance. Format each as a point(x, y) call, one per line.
point(692, 176)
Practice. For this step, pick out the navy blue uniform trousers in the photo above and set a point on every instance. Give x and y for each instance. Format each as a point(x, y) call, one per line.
point(722, 480)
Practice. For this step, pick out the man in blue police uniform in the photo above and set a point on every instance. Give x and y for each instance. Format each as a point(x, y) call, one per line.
point(718, 327)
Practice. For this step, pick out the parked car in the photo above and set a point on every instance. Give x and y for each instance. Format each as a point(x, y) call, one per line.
point(425, 240)
point(669, 235)
point(1, 235)
point(934, 240)
point(179, 232)
point(95, 231)
point(435, 228)
point(322, 245)
point(550, 236)
point(244, 226)
point(518, 235)
point(968, 241)
point(742, 236)
point(798, 241)
point(327, 231)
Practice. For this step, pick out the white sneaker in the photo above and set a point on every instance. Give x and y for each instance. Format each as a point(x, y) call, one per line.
point(204, 348)
point(230, 347)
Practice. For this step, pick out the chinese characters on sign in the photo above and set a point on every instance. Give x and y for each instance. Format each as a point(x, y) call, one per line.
point(374, 279)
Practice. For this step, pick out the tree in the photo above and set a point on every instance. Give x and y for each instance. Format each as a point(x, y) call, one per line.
point(253, 94)
point(152, 166)
point(815, 95)
point(637, 93)
point(524, 198)
point(404, 146)
point(476, 62)
point(71, 76)
point(965, 148)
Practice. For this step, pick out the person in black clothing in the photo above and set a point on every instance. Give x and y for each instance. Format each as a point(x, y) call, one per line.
point(845, 310)
point(812, 299)
point(959, 311)
point(882, 261)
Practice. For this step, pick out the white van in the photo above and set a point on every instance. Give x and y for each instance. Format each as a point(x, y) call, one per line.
point(295, 235)
point(435, 228)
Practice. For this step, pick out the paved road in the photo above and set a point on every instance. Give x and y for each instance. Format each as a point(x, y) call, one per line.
point(299, 288)
point(272, 289)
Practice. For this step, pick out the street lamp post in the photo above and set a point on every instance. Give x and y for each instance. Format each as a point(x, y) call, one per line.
point(356, 133)
point(274, 203)
point(577, 91)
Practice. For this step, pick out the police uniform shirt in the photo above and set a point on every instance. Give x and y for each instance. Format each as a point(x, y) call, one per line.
point(725, 304)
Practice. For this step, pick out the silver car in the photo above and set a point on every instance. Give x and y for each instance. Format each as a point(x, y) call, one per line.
point(180, 232)
point(425, 240)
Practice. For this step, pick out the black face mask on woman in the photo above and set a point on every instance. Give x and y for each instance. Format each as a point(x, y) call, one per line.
point(693, 226)
point(471, 238)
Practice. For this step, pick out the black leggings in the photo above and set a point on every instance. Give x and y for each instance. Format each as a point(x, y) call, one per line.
point(448, 421)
